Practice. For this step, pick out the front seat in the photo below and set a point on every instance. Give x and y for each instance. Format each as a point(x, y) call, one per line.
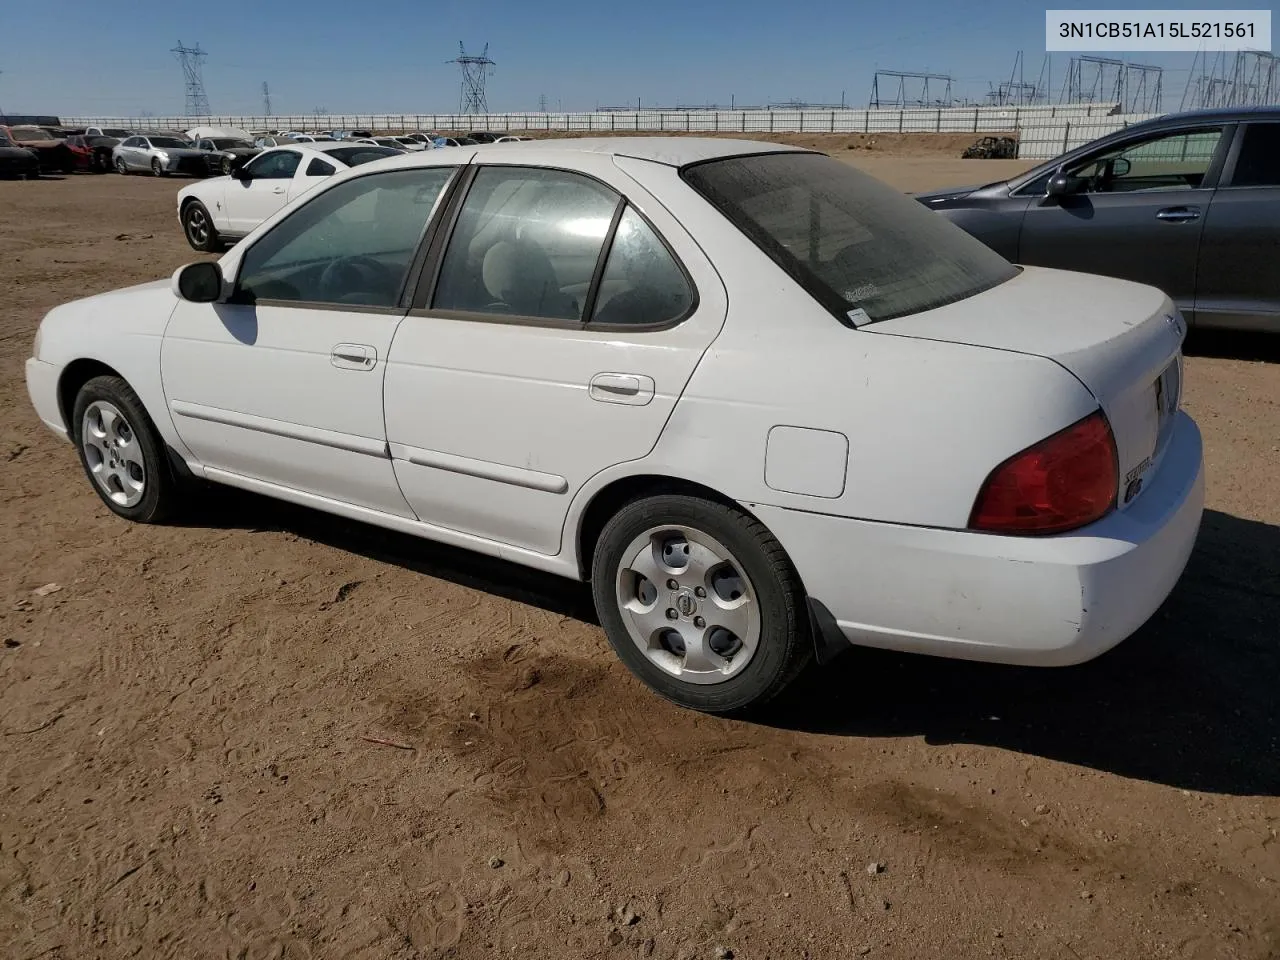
point(520, 279)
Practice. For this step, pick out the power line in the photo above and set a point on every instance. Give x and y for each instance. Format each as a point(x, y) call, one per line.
point(475, 70)
point(191, 59)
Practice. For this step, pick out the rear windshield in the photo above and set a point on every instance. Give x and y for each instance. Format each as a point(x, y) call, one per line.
point(354, 156)
point(34, 133)
point(862, 248)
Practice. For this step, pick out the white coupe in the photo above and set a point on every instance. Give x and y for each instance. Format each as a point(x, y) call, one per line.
point(768, 406)
point(220, 210)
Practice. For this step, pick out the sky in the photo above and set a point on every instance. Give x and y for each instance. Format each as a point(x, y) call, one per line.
point(90, 58)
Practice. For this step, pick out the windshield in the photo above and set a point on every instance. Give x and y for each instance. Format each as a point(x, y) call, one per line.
point(167, 143)
point(354, 156)
point(33, 133)
point(863, 249)
point(231, 144)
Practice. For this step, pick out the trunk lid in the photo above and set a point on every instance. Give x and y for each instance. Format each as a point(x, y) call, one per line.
point(1122, 340)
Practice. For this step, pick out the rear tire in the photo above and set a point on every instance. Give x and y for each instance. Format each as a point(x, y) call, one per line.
point(198, 227)
point(740, 632)
point(122, 453)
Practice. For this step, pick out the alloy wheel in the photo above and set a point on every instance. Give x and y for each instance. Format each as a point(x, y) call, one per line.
point(113, 453)
point(688, 604)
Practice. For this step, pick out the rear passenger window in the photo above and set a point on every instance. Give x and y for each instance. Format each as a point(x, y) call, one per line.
point(642, 283)
point(526, 243)
point(318, 168)
point(1259, 161)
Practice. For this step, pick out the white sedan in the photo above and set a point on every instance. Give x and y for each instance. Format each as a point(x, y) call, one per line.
point(221, 210)
point(768, 406)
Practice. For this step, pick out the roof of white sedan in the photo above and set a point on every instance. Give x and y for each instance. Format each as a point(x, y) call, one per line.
point(673, 151)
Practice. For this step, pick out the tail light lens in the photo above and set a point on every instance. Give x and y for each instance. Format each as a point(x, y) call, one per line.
point(1064, 482)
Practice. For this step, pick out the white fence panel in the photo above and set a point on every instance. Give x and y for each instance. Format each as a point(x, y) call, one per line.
point(1043, 130)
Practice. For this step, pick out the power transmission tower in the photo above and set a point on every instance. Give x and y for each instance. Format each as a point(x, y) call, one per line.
point(474, 72)
point(192, 59)
point(542, 103)
point(909, 89)
point(266, 99)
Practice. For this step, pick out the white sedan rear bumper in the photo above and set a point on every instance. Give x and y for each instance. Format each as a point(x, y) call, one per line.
point(1036, 601)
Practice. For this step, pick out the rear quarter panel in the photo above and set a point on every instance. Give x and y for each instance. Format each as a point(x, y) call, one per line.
point(926, 421)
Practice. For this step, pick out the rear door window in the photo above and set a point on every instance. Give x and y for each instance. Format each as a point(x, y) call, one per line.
point(526, 243)
point(1258, 164)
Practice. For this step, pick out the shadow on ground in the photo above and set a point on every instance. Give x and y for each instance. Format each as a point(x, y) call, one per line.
point(1234, 345)
point(1191, 700)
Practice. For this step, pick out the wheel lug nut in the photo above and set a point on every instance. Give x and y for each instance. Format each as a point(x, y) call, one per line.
point(672, 585)
point(700, 592)
point(699, 622)
point(671, 614)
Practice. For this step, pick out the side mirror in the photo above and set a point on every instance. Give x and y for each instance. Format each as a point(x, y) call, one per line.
point(198, 282)
point(1062, 184)
point(240, 173)
point(1120, 167)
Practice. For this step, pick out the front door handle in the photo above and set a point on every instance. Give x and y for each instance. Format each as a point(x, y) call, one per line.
point(621, 388)
point(353, 356)
point(1178, 214)
point(278, 190)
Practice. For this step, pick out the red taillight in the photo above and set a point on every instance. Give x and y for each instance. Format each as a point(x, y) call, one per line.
point(1063, 482)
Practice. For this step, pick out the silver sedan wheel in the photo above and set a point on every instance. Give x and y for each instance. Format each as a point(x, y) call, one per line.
point(113, 453)
point(688, 605)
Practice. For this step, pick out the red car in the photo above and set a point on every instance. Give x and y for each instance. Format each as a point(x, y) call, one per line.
point(49, 146)
point(92, 153)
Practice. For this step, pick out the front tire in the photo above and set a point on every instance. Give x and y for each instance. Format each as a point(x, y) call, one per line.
point(122, 453)
point(157, 169)
point(122, 168)
point(700, 602)
point(198, 227)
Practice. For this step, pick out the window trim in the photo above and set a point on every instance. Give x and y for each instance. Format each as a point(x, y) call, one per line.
point(1233, 157)
point(400, 306)
point(1086, 152)
point(424, 293)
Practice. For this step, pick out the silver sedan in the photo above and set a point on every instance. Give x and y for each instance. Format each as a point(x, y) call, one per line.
point(161, 155)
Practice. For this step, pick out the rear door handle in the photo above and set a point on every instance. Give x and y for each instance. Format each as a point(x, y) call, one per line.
point(1178, 214)
point(353, 356)
point(621, 388)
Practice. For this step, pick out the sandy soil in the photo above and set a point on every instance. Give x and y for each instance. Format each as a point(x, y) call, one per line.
point(183, 769)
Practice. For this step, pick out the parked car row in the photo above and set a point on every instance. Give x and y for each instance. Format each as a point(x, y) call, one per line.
point(28, 150)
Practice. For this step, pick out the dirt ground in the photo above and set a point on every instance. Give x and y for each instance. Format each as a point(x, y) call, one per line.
point(183, 769)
